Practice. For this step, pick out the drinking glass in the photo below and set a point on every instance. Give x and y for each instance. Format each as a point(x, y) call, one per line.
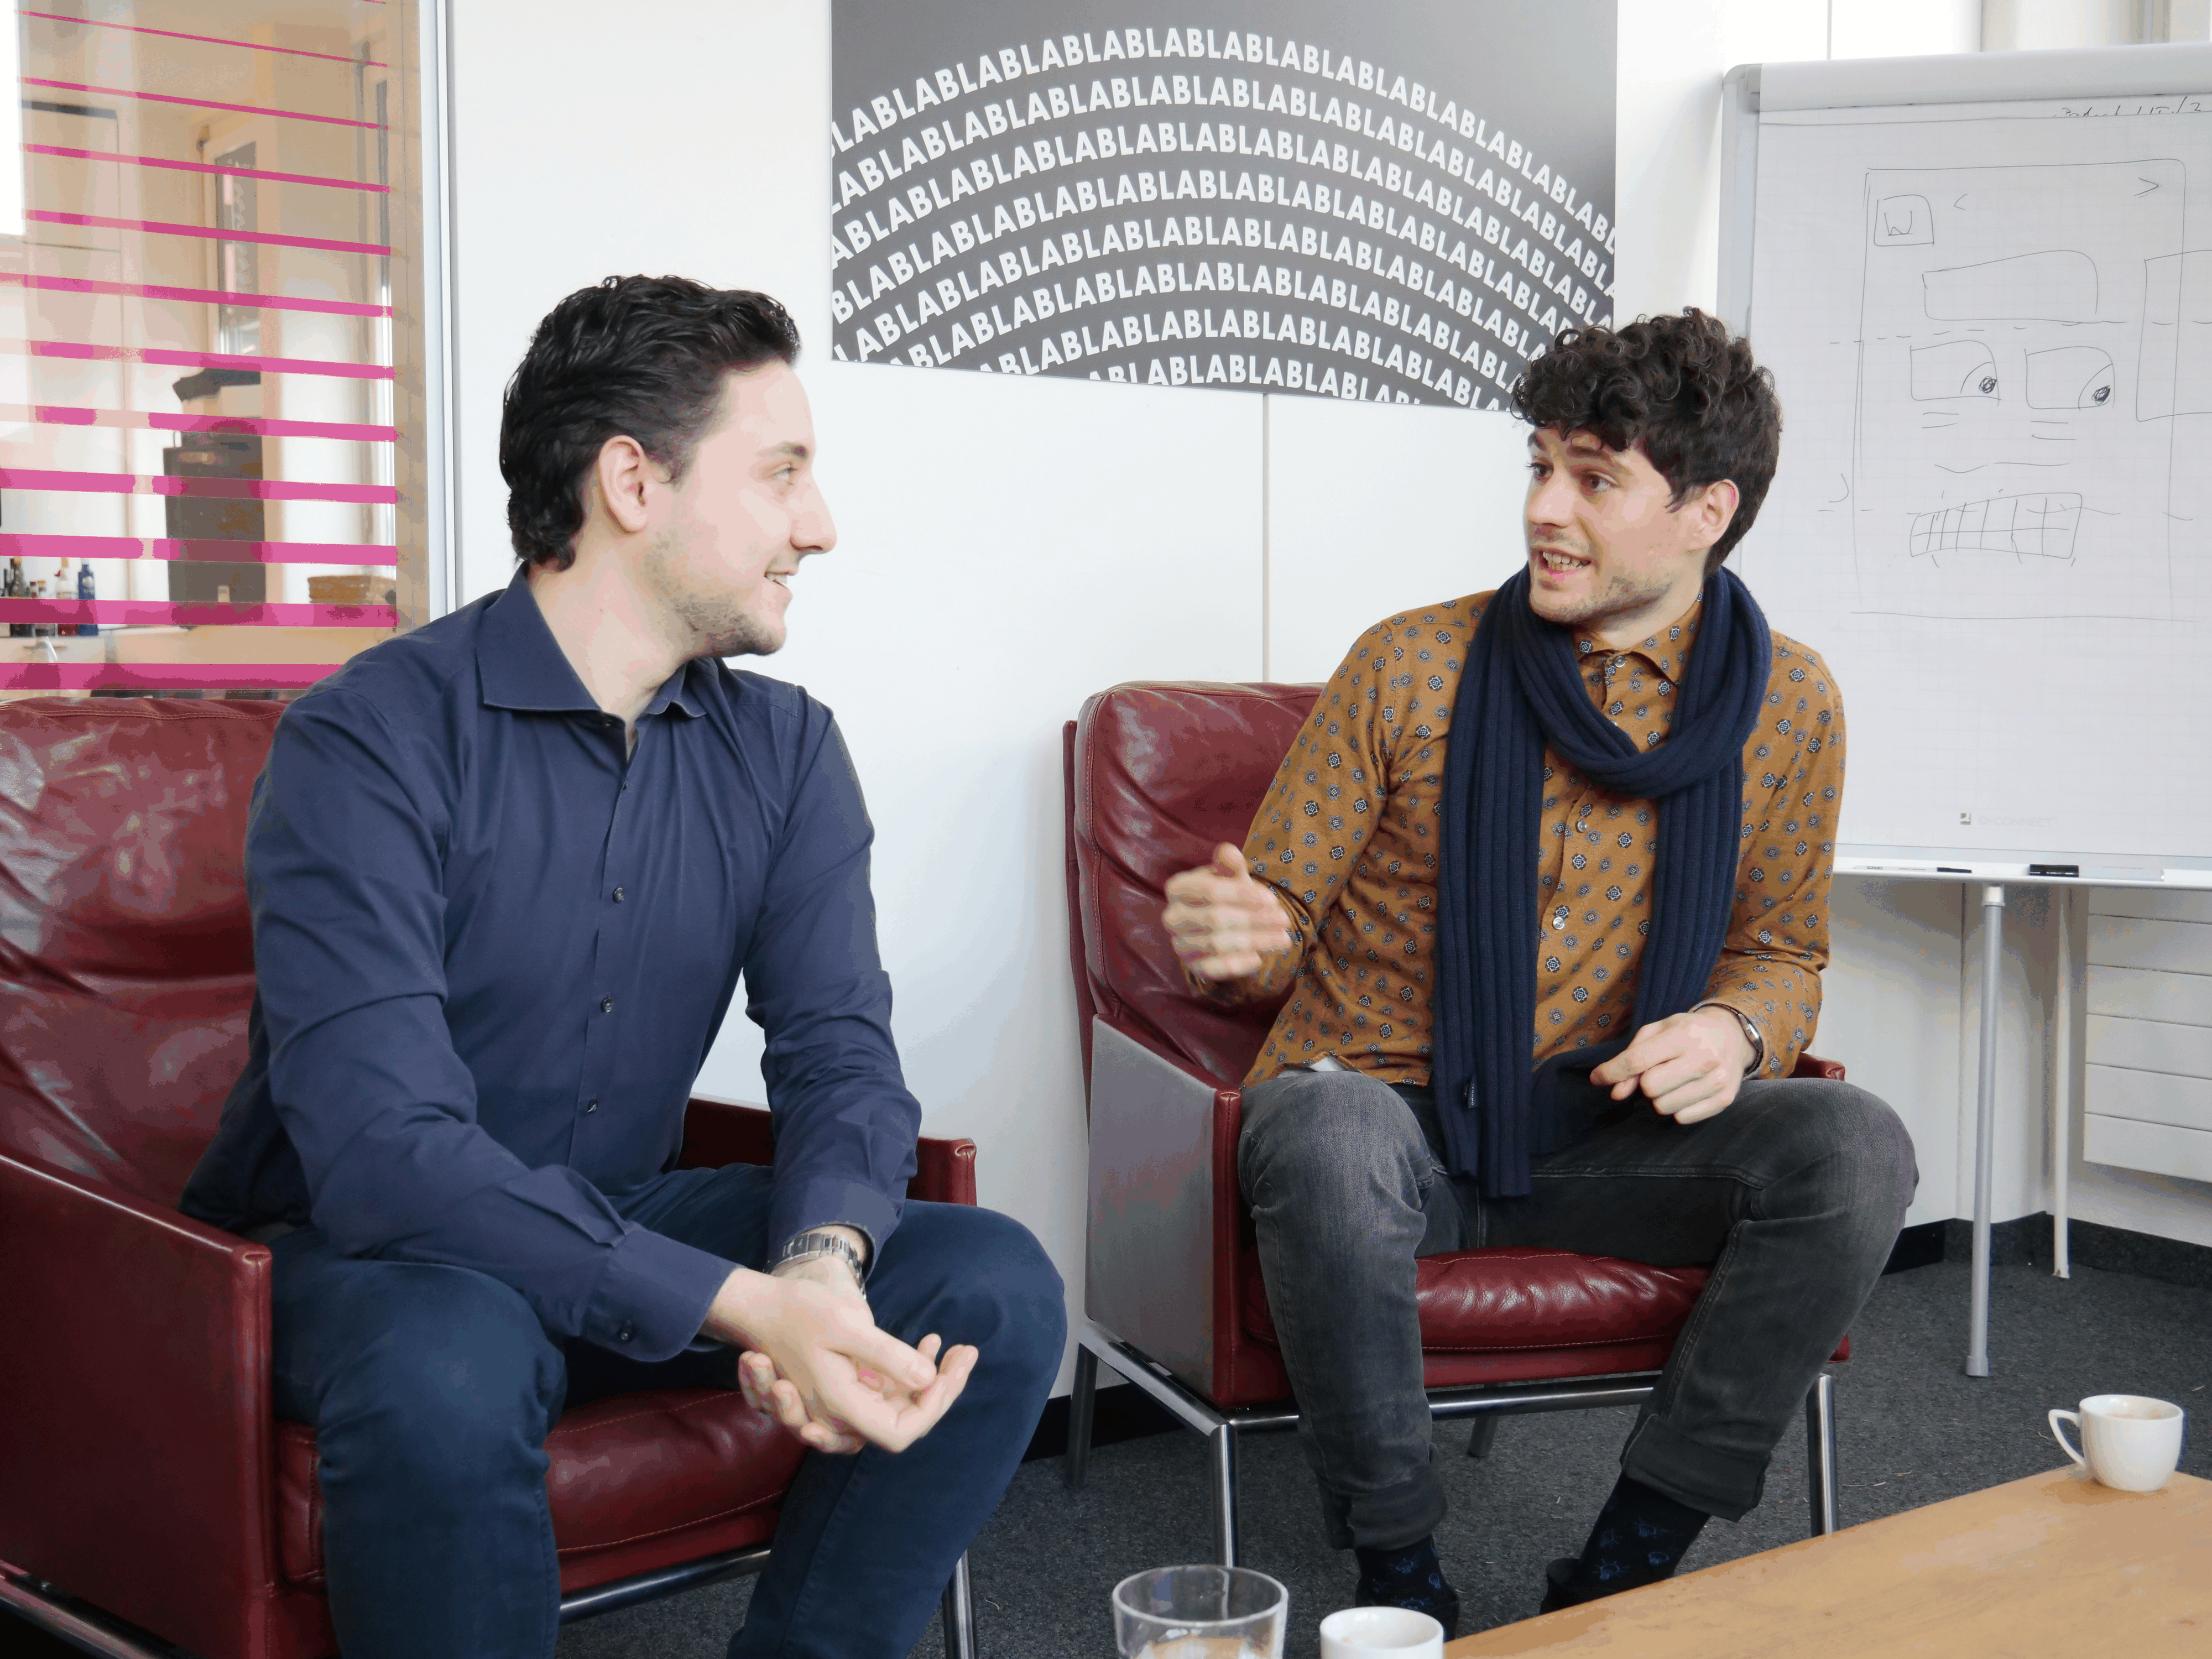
point(1200, 1613)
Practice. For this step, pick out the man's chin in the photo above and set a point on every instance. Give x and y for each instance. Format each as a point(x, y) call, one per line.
point(749, 638)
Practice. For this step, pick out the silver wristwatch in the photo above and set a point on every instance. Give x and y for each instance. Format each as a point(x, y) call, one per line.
point(1750, 1032)
point(808, 1246)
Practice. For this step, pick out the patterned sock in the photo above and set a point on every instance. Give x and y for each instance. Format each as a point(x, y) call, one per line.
point(1639, 1539)
point(1409, 1577)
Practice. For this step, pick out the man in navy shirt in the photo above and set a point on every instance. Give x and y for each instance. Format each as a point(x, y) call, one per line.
point(506, 873)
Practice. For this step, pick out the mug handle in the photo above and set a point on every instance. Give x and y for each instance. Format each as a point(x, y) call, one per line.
point(2059, 1435)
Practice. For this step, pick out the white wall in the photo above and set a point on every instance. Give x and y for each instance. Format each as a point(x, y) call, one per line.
point(1010, 546)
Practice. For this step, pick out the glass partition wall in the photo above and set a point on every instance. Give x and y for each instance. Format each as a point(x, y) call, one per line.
point(214, 390)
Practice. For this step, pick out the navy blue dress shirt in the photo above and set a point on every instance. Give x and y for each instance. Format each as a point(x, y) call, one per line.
point(492, 951)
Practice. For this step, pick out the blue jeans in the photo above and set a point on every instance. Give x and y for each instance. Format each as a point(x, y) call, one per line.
point(1793, 1195)
point(431, 1389)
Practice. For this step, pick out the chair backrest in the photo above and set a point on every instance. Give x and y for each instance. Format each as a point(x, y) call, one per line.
point(124, 940)
point(1159, 775)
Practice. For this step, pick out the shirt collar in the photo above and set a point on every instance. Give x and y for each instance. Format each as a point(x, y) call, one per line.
point(1668, 650)
point(519, 665)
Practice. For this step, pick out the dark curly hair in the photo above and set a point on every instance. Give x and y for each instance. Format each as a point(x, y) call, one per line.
point(1682, 389)
point(637, 356)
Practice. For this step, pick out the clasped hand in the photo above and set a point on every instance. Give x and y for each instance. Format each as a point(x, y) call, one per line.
point(815, 1360)
point(1689, 1066)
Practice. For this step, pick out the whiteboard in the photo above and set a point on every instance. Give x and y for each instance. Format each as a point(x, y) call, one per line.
point(1983, 285)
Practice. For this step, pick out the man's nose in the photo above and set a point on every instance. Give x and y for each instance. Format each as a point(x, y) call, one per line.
point(813, 530)
point(1550, 501)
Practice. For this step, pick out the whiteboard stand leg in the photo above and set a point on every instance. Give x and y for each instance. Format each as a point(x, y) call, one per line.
point(1978, 1318)
point(2061, 1087)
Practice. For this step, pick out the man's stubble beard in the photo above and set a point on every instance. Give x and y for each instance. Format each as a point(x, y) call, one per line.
point(716, 621)
point(1622, 598)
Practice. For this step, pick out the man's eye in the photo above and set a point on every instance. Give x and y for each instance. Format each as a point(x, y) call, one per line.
point(1594, 481)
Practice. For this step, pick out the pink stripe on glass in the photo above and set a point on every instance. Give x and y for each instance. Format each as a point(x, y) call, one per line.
point(86, 351)
point(136, 420)
point(202, 167)
point(197, 295)
point(213, 232)
point(164, 677)
point(199, 103)
point(205, 40)
point(136, 547)
point(220, 489)
point(183, 613)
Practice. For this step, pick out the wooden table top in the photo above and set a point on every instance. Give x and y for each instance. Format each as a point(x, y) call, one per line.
point(2051, 1567)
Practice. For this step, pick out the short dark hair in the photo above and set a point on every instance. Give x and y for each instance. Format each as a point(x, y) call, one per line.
point(637, 356)
point(1682, 389)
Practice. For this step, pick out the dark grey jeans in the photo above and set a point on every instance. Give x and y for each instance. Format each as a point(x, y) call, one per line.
point(1793, 1195)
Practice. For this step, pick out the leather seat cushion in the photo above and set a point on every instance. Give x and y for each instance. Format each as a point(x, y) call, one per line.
point(627, 1475)
point(1514, 1299)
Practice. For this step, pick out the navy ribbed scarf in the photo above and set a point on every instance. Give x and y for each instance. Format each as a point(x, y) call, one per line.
point(1522, 687)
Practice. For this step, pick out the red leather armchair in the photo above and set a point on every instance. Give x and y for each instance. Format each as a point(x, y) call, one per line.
point(149, 1500)
point(1157, 775)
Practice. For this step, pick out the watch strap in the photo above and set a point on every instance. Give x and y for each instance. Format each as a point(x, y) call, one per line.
point(808, 1246)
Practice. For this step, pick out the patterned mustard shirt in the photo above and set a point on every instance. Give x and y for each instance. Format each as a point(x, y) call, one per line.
point(1348, 835)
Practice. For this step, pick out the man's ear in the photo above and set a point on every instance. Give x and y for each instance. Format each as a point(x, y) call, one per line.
point(1715, 510)
point(623, 480)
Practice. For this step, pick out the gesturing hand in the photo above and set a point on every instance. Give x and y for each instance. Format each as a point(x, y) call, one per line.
point(816, 1361)
point(1689, 1066)
point(1221, 920)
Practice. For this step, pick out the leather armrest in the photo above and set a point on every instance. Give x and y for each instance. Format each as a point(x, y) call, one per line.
point(137, 1449)
point(1160, 1263)
point(720, 1132)
point(1807, 1066)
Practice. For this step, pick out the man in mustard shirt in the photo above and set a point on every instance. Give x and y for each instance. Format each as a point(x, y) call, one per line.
point(1592, 1053)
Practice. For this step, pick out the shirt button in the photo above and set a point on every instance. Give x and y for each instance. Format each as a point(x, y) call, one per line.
point(591, 1105)
point(625, 1333)
point(606, 1005)
point(618, 895)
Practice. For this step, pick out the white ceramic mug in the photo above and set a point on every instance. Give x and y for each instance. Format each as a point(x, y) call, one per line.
point(1380, 1633)
point(2129, 1442)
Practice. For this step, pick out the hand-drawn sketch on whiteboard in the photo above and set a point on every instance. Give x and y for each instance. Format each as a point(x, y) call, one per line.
point(2177, 337)
point(2009, 317)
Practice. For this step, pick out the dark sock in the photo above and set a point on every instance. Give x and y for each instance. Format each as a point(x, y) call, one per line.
point(1639, 1539)
point(1409, 1577)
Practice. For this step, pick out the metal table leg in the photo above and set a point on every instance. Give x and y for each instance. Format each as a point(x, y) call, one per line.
point(1978, 1318)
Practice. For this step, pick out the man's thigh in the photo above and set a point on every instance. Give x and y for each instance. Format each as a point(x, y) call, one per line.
point(349, 1331)
point(1650, 1189)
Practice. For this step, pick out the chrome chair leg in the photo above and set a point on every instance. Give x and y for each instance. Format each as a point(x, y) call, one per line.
point(1820, 1453)
point(1484, 1434)
point(1082, 1408)
point(957, 1610)
point(1221, 1461)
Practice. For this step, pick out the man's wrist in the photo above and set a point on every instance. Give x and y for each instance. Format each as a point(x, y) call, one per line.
point(847, 1247)
point(1754, 1041)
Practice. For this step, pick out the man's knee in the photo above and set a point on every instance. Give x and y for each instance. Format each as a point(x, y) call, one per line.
point(459, 1376)
point(1318, 1132)
point(987, 1282)
point(1862, 1145)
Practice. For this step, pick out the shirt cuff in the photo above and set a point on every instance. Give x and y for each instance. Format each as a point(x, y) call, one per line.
point(828, 1201)
point(652, 1296)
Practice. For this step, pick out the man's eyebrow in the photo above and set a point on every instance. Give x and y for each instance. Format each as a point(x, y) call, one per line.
point(795, 452)
point(1581, 448)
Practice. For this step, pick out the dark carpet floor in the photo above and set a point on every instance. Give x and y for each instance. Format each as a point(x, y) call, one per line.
point(1912, 1430)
